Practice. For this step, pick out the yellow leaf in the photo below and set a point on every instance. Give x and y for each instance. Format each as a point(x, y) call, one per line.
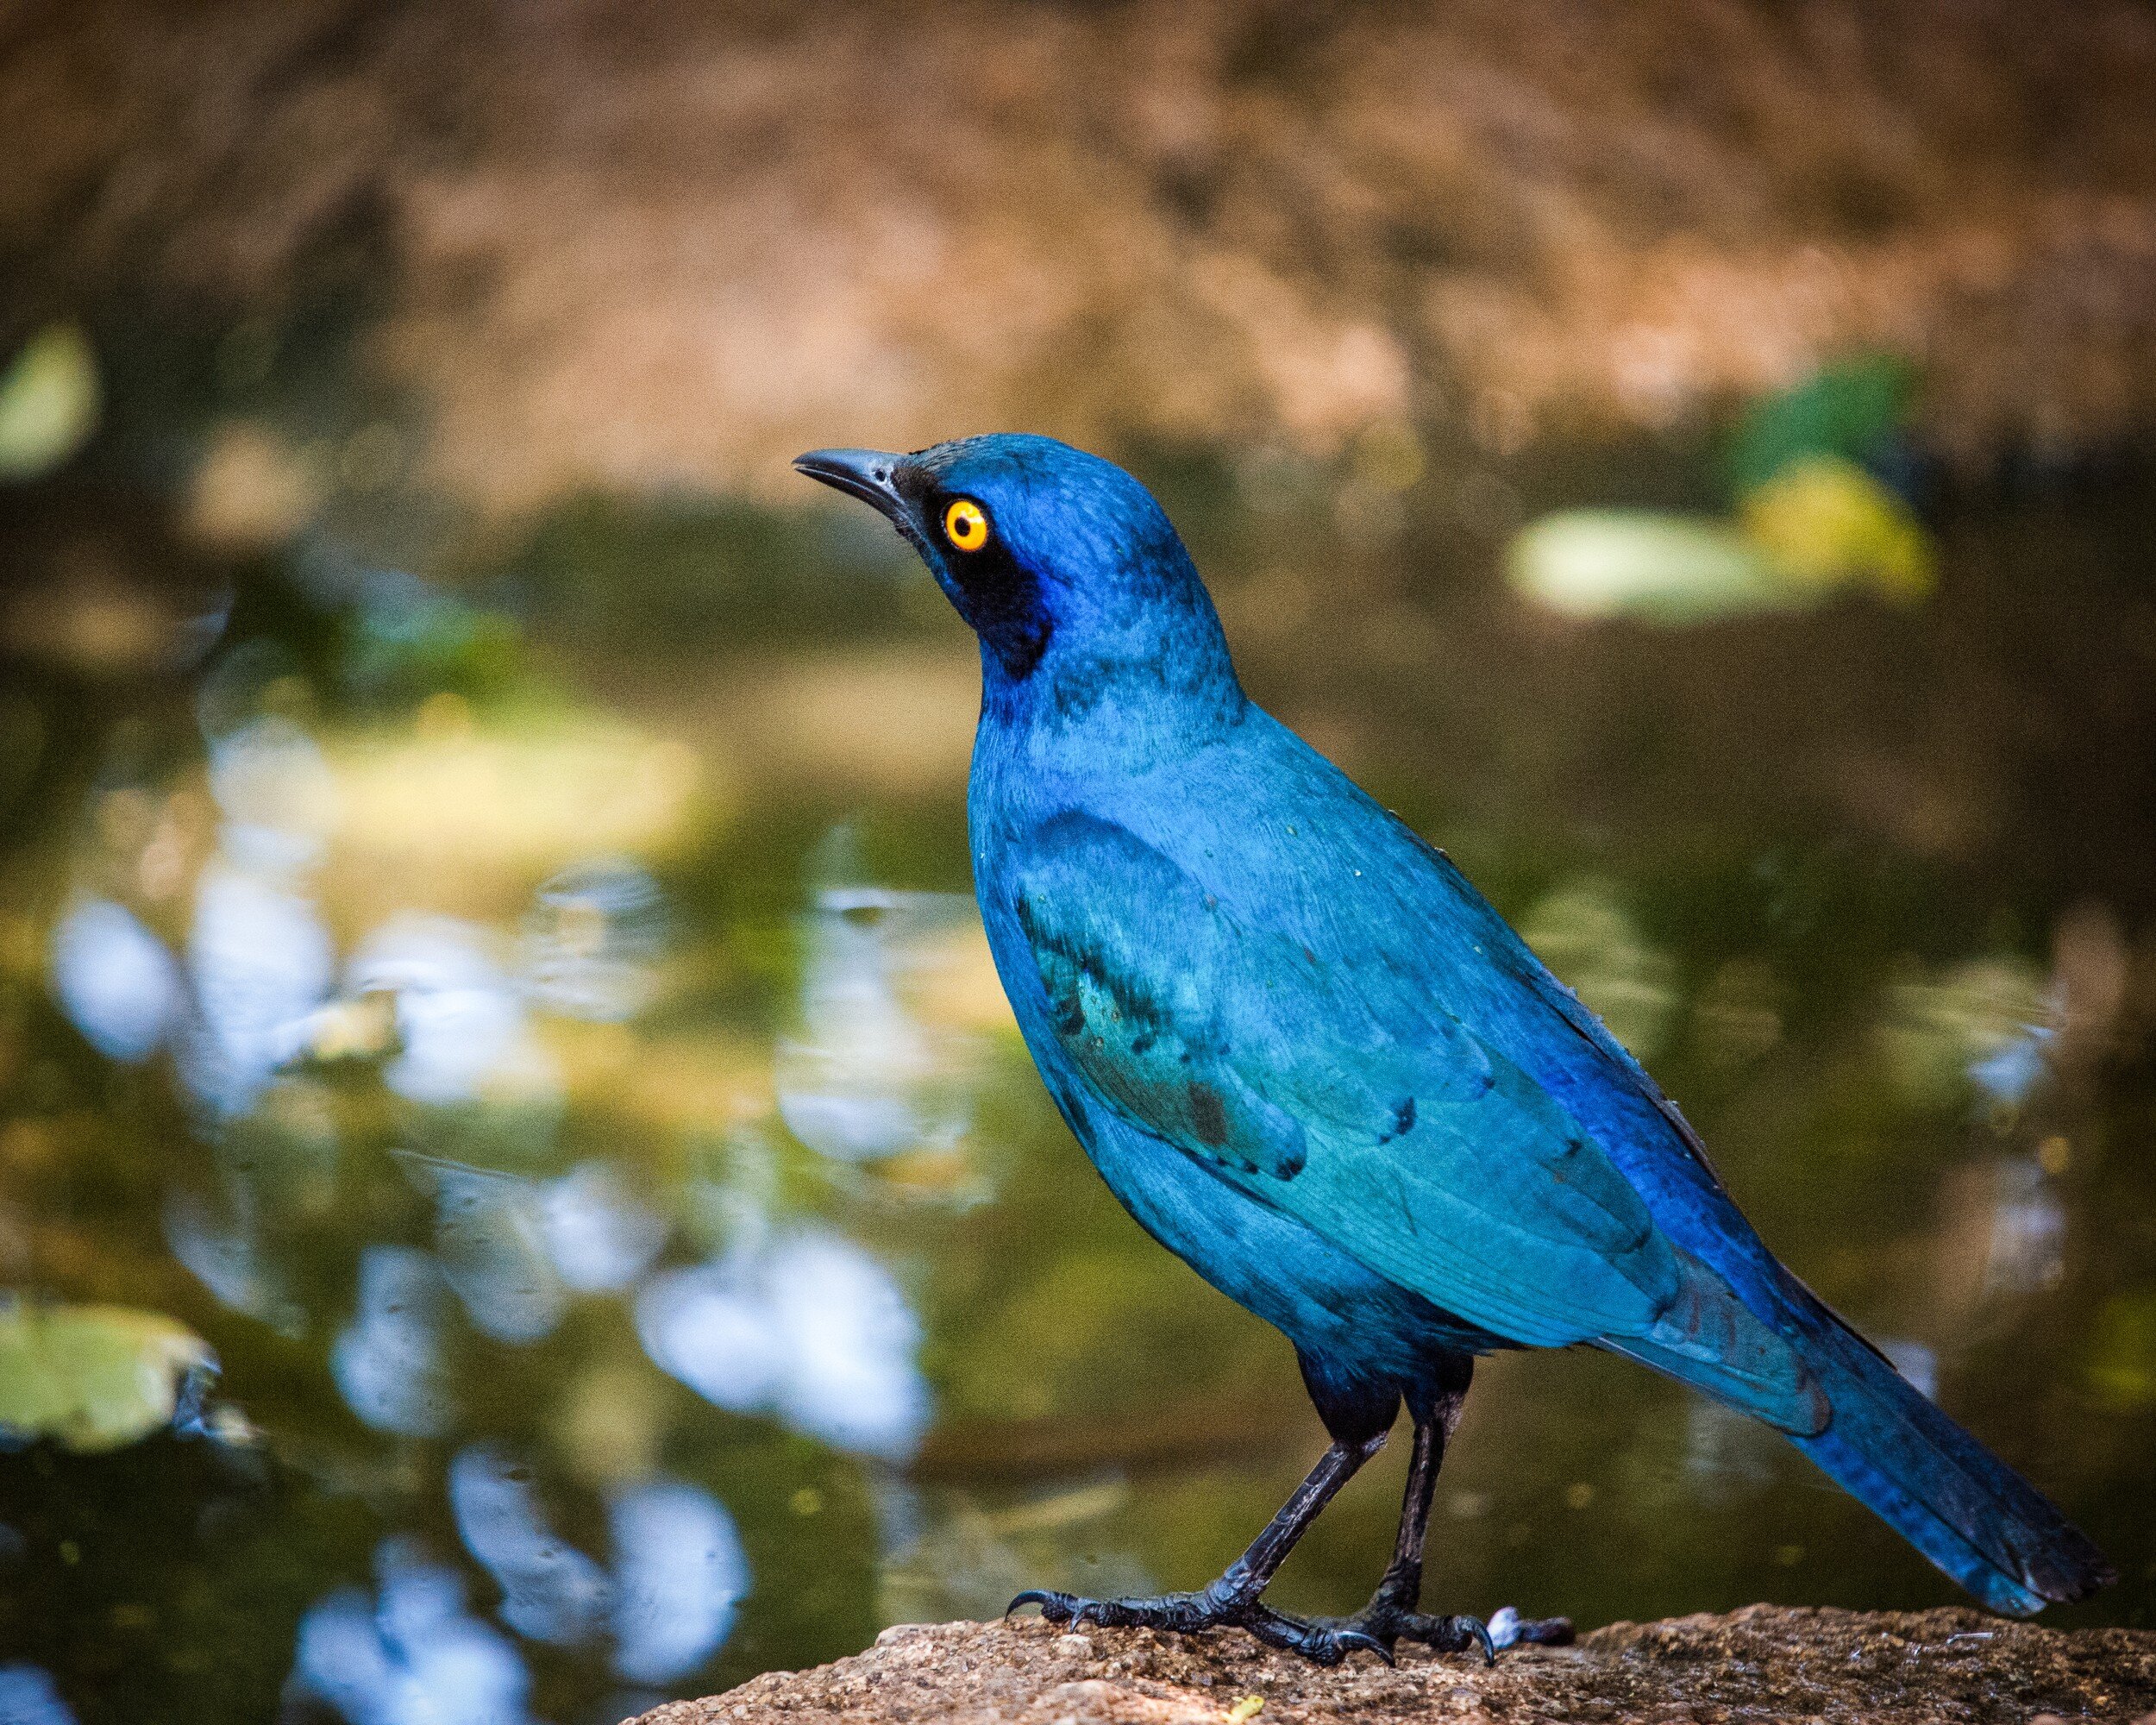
point(1825, 521)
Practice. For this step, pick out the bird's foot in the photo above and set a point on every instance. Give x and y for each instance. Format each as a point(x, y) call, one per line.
point(1210, 1607)
point(1382, 1625)
point(1323, 1641)
point(1377, 1629)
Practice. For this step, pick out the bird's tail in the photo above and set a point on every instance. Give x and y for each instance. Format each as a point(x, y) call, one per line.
point(1942, 1490)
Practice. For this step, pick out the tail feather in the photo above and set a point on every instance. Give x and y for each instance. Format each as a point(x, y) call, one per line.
point(1942, 1490)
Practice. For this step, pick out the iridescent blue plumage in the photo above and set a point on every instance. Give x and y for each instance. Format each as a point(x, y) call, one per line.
point(1314, 1062)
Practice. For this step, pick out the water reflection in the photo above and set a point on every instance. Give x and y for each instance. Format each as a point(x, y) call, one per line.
point(805, 1324)
point(1914, 1360)
point(261, 960)
point(866, 1075)
point(550, 1591)
point(1726, 1455)
point(1985, 1022)
point(591, 939)
point(680, 1573)
point(488, 1238)
point(462, 1026)
point(276, 792)
point(585, 1183)
point(412, 1654)
point(1585, 935)
point(224, 1255)
point(2027, 1252)
point(388, 1361)
point(954, 1556)
point(115, 979)
point(598, 1237)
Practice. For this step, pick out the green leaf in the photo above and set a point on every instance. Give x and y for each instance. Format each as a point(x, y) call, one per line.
point(1848, 409)
point(49, 402)
point(92, 1377)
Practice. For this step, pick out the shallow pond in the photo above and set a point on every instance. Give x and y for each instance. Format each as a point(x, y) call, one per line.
point(522, 1198)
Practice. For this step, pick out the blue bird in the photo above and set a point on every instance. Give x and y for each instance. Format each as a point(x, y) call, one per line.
point(1316, 1065)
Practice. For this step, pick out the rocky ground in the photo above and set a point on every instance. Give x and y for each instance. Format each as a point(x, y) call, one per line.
point(1762, 1663)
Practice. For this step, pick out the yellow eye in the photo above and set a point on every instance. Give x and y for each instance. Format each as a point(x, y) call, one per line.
point(965, 526)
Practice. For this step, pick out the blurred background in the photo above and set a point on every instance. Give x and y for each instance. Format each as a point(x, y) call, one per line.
point(519, 1193)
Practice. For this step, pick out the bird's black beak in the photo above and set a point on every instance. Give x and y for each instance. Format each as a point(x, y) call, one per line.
point(868, 474)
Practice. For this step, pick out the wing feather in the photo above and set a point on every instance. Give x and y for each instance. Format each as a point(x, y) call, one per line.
point(1415, 1148)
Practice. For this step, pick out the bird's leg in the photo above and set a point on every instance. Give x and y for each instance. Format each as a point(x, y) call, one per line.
point(1232, 1598)
point(1393, 1614)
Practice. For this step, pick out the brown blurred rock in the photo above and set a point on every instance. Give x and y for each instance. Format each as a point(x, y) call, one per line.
point(1760, 1664)
point(634, 246)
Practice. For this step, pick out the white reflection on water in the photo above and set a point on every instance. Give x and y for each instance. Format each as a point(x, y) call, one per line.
point(262, 960)
point(1988, 1022)
point(460, 1019)
point(28, 1698)
point(808, 1327)
point(415, 1656)
point(259, 953)
point(2008, 1074)
point(1914, 1360)
point(599, 1237)
point(2027, 1250)
point(864, 1075)
point(388, 1361)
point(591, 939)
point(680, 1573)
point(277, 793)
point(218, 1243)
point(115, 980)
point(487, 1232)
point(550, 1591)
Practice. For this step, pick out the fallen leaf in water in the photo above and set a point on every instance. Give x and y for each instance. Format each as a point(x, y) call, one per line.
point(1670, 568)
point(49, 402)
point(91, 1377)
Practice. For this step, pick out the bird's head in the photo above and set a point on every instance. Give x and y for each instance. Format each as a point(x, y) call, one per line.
point(1063, 564)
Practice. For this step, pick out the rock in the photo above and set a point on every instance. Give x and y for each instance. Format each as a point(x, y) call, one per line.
point(1763, 1663)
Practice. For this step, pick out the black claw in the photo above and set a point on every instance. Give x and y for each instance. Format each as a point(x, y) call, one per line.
point(1055, 1607)
point(1350, 1640)
point(1481, 1631)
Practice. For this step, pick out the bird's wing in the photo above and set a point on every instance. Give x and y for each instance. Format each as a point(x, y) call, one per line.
point(1535, 1019)
point(1412, 1145)
point(1333, 1089)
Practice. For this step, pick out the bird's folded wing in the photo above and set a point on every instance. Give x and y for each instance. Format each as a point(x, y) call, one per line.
point(1409, 1144)
point(1319, 1086)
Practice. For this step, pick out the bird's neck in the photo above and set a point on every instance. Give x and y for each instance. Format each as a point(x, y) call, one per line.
point(1096, 708)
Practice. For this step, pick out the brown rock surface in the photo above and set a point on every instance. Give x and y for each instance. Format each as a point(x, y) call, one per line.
point(1762, 1663)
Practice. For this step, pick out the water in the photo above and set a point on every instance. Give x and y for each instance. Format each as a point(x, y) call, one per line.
point(522, 1197)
